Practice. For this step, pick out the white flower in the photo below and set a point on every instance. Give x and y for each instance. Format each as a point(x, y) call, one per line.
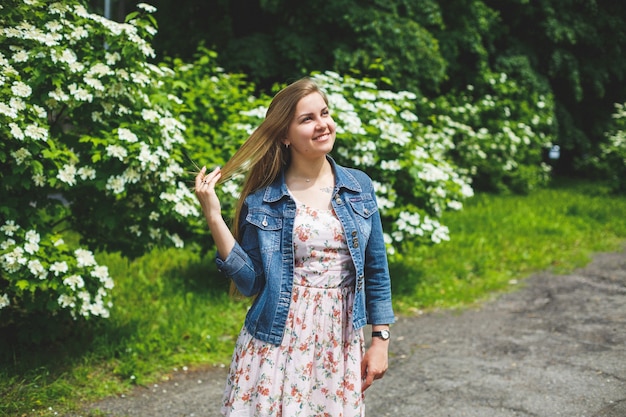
point(78, 33)
point(126, 135)
point(408, 116)
point(67, 174)
point(178, 242)
point(74, 281)
point(259, 112)
point(36, 268)
point(80, 94)
point(391, 165)
point(111, 59)
point(365, 95)
point(441, 233)
point(59, 268)
point(116, 184)
point(4, 301)
point(7, 243)
point(21, 155)
point(39, 180)
point(8, 111)
point(58, 95)
point(117, 151)
point(99, 69)
point(21, 89)
point(9, 227)
point(32, 242)
point(148, 8)
point(84, 258)
point(16, 132)
point(17, 103)
point(455, 205)
point(36, 132)
point(150, 115)
point(94, 83)
point(86, 173)
point(53, 26)
point(65, 300)
point(14, 260)
point(40, 111)
point(20, 56)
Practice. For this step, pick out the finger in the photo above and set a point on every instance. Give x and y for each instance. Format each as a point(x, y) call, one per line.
point(367, 382)
point(214, 177)
point(200, 177)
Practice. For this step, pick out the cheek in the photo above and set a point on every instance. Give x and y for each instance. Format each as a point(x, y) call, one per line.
point(332, 125)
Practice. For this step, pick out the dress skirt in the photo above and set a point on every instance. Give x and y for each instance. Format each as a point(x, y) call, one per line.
point(316, 370)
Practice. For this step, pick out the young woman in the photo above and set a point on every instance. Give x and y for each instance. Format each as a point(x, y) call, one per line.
point(307, 241)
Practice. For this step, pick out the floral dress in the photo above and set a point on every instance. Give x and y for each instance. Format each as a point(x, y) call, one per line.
point(316, 370)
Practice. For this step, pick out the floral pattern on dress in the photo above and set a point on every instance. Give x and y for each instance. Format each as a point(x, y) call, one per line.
point(316, 370)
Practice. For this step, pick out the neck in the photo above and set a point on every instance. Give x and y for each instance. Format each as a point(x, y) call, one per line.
point(310, 170)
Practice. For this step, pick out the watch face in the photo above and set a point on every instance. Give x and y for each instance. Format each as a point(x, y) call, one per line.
point(383, 334)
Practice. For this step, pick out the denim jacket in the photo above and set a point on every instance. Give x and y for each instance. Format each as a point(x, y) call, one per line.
point(262, 262)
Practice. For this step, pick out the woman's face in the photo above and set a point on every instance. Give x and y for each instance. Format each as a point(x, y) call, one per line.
point(311, 132)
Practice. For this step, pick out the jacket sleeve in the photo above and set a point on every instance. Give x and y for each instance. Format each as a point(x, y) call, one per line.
point(243, 264)
point(377, 279)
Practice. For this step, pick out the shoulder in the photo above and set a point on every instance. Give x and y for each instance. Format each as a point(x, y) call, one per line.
point(360, 177)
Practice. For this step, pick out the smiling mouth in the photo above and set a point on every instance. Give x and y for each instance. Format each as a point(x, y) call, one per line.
point(323, 137)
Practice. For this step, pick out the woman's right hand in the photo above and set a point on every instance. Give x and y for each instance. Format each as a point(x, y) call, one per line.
point(205, 192)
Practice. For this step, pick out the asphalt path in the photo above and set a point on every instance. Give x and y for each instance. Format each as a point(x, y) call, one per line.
point(554, 347)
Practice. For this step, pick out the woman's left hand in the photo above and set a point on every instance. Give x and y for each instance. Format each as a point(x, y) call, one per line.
point(375, 363)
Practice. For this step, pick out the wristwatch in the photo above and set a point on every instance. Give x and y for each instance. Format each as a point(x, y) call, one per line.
point(383, 334)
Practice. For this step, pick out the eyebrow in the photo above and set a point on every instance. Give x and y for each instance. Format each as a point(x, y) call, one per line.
point(311, 113)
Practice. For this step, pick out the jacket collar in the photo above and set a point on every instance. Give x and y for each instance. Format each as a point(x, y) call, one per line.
point(343, 179)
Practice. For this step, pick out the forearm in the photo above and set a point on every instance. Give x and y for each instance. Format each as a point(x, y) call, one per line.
point(222, 236)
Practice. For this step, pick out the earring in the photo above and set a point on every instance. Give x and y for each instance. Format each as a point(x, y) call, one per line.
point(286, 145)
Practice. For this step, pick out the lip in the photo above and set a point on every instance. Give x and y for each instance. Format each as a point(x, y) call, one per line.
point(321, 138)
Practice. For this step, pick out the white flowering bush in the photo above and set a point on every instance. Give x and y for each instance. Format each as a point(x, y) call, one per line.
point(89, 143)
point(496, 131)
point(610, 160)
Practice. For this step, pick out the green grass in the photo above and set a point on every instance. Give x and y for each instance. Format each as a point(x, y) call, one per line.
point(171, 310)
point(498, 240)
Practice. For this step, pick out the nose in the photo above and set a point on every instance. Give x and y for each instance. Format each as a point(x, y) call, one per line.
point(321, 124)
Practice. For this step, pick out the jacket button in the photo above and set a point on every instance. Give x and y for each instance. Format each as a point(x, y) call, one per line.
point(338, 200)
point(353, 233)
point(366, 211)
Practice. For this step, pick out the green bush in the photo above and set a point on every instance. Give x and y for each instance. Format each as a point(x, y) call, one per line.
point(610, 162)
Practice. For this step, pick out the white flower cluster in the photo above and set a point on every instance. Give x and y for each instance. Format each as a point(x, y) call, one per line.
point(22, 254)
point(413, 224)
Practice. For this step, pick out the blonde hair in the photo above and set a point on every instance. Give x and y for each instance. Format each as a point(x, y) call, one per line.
point(263, 155)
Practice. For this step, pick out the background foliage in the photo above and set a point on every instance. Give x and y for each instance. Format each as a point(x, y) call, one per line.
point(566, 49)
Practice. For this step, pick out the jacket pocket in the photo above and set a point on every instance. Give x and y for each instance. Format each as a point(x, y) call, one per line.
point(269, 228)
point(364, 207)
